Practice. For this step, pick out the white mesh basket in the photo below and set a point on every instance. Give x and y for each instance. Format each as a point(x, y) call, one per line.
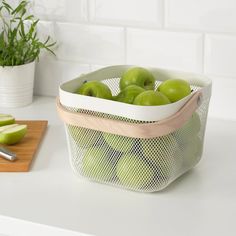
point(141, 148)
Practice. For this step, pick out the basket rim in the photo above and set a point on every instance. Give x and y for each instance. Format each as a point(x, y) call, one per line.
point(134, 130)
point(135, 112)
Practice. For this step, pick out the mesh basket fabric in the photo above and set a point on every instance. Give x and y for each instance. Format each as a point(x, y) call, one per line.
point(145, 165)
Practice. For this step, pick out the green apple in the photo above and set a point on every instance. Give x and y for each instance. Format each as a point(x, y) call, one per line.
point(175, 89)
point(151, 98)
point(83, 137)
point(191, 128)
point(133, 172)
point(128, 94)
point(119, 143)
point(12, 134)
point(137, 76)
point(165, 154)
point(95, 89)
point(192, 152)
point(96, 165)
point(114, 98)
point(6, 119)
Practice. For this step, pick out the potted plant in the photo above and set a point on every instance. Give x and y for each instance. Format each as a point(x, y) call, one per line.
point(19, 49)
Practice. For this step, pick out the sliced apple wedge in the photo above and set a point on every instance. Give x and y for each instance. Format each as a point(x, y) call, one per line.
point(6, 119)
point(5, 127)
point(12, 134)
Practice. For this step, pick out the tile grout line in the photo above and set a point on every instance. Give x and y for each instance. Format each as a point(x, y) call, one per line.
point(203, 53)
point(164, 13)
point(219, 77)
point(142, 27)
point(88, 11)
point(125, 45)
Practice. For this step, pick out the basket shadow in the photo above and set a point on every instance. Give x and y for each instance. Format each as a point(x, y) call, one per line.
point(176, 183)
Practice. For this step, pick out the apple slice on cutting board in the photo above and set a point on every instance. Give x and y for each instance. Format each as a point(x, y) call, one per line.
point(6, 120)
point(12, 134)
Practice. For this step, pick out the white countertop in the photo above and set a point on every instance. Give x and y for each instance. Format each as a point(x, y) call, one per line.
point(202, 202)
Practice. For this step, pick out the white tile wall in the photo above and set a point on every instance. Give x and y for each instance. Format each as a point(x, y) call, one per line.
point(181, 51)
point(127, 12)
point(45, 29)
point(97, 67)
point(220, 55)
point(61, 10)
point(191, 35)
point(208, 15)
point(50, 73)
point(90, 44)
point(223, 98)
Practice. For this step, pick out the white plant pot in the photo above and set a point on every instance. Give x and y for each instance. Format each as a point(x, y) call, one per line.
point(16, 85)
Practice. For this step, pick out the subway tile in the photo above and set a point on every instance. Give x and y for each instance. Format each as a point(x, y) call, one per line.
point(209, 15)
point(97, 67)
point(45, 29)
point(223, 99)
point(180, 51)
point(60, 10)
point(220, 55)
point(90, 44)
point(127, 12)
point(50, 73)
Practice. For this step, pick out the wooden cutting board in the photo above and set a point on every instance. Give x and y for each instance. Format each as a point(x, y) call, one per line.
point(27, 148)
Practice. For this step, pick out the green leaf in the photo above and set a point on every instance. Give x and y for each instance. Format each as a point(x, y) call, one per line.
point(22, 28)
point(20, 7)
point(7, 6)
point(2, 44)
point(29, 17)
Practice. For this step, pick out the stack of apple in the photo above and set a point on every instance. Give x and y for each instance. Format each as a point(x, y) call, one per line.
point(137, 86)
point(10, 133)
point(189, 141)
point(138, 163)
